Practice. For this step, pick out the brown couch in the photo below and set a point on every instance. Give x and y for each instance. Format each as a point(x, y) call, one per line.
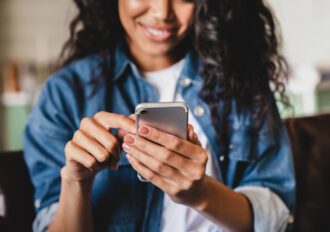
point(310, 138)
point(17, 189)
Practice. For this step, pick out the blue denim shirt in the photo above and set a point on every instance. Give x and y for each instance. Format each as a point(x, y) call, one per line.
point(120, 201)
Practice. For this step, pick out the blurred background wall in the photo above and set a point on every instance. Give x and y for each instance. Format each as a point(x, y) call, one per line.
point(306, 29)
point(33, 30)
point(32, 33)
point(31, 36)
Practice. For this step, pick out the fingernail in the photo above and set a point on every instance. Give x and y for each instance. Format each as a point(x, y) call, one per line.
point(143, 130)
point(126, 147)
point(129, 158)
point(128, 139)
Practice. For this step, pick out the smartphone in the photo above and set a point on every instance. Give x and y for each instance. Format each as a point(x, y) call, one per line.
point(170, 117)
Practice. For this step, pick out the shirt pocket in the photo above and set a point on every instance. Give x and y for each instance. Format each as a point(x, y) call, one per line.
point(241, 145)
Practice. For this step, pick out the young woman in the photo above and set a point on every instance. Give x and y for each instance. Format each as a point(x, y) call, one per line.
point(234, 173)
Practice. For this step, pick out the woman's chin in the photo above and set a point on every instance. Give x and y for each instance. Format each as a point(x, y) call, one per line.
point(156, 50)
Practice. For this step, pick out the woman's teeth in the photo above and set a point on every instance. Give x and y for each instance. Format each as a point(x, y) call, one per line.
point(156, 32)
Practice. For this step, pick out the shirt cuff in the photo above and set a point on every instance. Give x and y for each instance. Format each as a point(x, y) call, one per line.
point(44, 218)
point(270, 212)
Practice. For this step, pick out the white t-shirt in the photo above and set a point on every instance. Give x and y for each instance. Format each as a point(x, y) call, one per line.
point(178, 217)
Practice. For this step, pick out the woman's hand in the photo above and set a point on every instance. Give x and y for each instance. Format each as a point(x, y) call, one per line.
point(93, 147)
point(175, 165)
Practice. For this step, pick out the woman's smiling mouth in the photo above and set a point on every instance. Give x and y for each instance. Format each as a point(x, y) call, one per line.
point(157, 34)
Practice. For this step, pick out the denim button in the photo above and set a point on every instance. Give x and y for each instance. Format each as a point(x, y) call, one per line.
point(199, 111)
point(37, 203)
point(291, 219)
point(237, 127)
point(231, 146)
point(222, 158)
point(185, 82)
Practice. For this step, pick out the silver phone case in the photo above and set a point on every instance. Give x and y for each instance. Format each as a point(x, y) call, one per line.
point(170, 117)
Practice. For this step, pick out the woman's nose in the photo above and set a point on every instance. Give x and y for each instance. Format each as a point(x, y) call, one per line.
point(162, 10)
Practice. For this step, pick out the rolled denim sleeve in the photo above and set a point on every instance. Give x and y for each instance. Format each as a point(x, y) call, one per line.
point(48, 129)
point(44, 218)
point(270, 212)
point(261, 167)
point(267, 163)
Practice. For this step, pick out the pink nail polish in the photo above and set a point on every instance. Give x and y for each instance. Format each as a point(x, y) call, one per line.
point(128, 139)
point(126, 147)
point(143, 130)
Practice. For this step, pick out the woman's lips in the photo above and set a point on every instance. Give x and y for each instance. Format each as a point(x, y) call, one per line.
point(157, 34)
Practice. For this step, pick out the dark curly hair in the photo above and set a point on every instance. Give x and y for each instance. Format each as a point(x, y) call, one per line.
point(236, 39)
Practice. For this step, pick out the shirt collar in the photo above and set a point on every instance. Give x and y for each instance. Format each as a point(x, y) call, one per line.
point(122, 61)
point(192, 66)
point(190, 69)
